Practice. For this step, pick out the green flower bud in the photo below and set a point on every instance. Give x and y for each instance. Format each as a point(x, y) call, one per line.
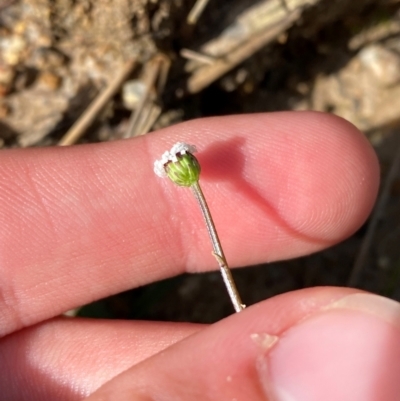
point(179, 165)
point(185, 171)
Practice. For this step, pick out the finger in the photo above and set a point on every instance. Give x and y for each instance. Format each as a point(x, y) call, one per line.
point(68, 359)
point(82, 223)
point(310, 345)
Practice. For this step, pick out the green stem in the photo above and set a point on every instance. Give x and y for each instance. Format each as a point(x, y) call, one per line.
point(217, 249)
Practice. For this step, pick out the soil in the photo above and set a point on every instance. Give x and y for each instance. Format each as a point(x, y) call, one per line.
point(337, 56)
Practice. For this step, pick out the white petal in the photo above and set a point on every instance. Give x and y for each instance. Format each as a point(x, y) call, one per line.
point(159, 168)
point(166, 157)
point(171, 156)
point(182, 147)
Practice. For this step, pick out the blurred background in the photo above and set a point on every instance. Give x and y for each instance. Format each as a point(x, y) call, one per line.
point(79, 71)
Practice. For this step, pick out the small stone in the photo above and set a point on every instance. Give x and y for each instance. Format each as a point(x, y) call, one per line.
point(132, 93)
point(382, 63)
point(12, 49)
point(49, 80)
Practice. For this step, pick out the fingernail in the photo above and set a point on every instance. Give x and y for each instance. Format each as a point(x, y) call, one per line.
point(347, 351)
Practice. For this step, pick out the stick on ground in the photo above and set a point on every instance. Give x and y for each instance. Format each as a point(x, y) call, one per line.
point(154, 80)
point(196, 11)
point(90, 114)
point(192, 55)
point(207, 74)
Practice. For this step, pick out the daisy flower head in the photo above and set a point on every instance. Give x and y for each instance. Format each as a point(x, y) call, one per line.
point(179, 165)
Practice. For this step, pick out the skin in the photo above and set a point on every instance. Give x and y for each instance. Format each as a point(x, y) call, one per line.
point(81, 223)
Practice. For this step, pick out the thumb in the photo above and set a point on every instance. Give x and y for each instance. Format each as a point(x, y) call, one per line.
point(317, 344)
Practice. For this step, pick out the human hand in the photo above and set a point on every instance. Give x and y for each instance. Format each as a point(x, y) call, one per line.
point(85, 222)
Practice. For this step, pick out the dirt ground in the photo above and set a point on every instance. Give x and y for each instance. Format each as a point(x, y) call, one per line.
point(240, 56)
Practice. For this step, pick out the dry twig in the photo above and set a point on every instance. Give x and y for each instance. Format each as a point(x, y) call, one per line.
point(146, 113)
point(204, 76)
point(201, 58)
point(196, 11)
point(90, 114)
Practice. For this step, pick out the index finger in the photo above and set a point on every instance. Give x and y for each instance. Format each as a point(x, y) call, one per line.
point(85, 222)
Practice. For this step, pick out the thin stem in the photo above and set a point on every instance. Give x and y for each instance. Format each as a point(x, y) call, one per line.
point(91, 113)
point(217, 249)
point(196, 11)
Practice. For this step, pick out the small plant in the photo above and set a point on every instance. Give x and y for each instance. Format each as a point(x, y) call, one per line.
point(182, 168)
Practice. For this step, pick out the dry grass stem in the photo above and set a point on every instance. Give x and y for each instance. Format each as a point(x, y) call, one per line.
point(201, 58)
point(204, 76)
point(148, 117)
point(196, 11)
point(155, 77)
point(151, 118)
point(374, 34)
point(87, 118)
